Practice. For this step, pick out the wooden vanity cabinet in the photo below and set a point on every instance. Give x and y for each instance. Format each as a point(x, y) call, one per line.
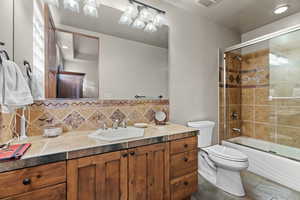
point(160, 171)
point(149, 172)
point(183, 168)
point(163, 171)
point(98, 177)
point(122, 175)
point(35, 183)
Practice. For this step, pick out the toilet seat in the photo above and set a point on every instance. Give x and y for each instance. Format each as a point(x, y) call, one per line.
point(226, 153)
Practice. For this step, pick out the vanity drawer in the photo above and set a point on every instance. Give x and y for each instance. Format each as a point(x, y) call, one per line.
point(184, 163)
point(184, 187)
point(179, 146)
point(29, 179)
point(57, 192)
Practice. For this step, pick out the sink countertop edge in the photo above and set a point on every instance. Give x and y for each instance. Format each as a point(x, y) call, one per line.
point(172, 132)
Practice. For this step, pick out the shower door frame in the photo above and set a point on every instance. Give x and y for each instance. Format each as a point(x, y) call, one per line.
point(240, 46)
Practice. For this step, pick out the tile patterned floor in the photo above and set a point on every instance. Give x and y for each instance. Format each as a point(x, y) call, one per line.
point(257, 188)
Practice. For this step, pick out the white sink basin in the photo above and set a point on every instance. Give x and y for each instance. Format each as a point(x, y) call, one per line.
point(111, 135)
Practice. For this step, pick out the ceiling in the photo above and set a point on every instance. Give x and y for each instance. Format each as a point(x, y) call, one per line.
point(108, 23)
point(240, 15)
point(78, 47)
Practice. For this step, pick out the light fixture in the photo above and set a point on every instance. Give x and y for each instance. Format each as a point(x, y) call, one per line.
point(72, 5)
point(64, 47)
point(131, 11)
point(138, 24)
point(143, 16)
point(150, 28)
point(146, 15)
point(52, 2)
point(90, 8)
point(159, 20)
point(281, 9)
point(125, 19)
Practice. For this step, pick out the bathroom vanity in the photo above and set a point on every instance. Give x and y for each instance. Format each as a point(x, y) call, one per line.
point(160, 165)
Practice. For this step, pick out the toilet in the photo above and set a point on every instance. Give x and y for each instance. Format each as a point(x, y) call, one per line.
point(218, 164)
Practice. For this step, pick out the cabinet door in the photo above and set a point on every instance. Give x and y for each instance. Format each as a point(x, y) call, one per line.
point(102, 177)
point(149, 172)
point(57, 192)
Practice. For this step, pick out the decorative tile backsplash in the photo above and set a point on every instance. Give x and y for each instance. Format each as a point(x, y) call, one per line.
point(82, 115)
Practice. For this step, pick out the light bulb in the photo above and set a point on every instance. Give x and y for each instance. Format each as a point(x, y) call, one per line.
point(72, 5)
point(146, 15)
point(159, 20)
point(90, 10)
point(150, 28)
point(132, 11)
point(139, 24)
point(91, 2)
point(125, 19)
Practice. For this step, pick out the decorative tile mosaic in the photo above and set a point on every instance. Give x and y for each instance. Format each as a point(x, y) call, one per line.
point(74, 120)
point(82, 115)
point(118, 115)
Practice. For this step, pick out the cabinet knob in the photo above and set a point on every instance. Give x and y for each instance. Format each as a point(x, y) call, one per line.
point(185, 159)
point(26, 181)
point(132, 153)
point(186, 183)
point(125, 155)
point(186, 145)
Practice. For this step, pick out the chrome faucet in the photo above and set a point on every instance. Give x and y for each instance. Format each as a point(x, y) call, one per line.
point(238, 130)
point(124, 123)
point(115, 124)
point(104, 126)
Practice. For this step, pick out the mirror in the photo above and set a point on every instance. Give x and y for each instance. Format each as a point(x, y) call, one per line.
point(73, 55)
point(285, 66)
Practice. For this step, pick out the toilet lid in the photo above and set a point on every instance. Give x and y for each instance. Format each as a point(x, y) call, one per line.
point(226, 153)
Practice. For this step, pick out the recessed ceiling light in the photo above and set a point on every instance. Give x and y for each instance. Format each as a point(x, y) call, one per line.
point(64, 47)
point(281, 9)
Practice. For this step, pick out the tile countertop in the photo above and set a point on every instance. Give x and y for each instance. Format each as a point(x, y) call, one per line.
point(77, 144)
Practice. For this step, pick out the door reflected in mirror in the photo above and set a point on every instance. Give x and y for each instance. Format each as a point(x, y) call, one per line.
point(75, 73)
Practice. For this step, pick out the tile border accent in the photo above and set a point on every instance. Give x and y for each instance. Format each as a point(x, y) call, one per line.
point(53, 104)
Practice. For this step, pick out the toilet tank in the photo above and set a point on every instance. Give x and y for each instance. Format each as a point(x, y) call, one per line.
point(206, 132)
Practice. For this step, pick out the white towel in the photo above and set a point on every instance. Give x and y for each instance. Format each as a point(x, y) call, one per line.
point(14, 89)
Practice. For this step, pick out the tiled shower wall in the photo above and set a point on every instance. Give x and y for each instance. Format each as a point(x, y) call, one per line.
point(232, 99)
point(82, 115)
point(247, 93)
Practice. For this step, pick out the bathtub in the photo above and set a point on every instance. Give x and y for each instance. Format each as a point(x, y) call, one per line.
point(275, 162)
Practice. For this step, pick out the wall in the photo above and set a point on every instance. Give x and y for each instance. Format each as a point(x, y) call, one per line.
point(91, 81)
point(6, 21)
point(270, 28)
point(193, 65)
point(278, 120)
point(193, 72)
point(82, 115)
point(23, 18)
point(248, 92)
point(129, 68)
point(232, 98)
